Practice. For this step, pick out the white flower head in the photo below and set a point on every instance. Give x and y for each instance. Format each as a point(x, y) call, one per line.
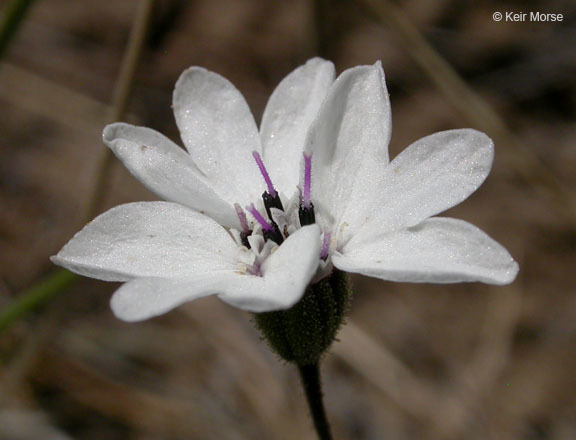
point(255, 217)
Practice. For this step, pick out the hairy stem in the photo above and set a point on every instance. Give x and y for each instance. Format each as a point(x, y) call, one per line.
point(310, 378)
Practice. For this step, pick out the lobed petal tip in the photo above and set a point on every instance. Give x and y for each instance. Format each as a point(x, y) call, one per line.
point(62, 261)
point(363, 71)
point(178, 95)
point(316, 61)
point(191, 71)
point(109, 132)
point(378, 66)
point(480, 139)
point(123, 312)
point(510, 276)
point(113, 132)
point(189, 74)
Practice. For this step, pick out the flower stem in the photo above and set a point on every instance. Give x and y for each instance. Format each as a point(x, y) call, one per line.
point(310, 377)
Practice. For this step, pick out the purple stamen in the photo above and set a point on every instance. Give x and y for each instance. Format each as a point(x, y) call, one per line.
point(264, 173)
point(243, 221)
point(265, 225)
point(307, 180)
point(325, 245)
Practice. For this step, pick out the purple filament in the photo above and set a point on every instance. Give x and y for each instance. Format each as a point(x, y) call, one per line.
point(265, 225)
point(264, 173)
point(307, 180)
point(242, 216)
point(325, 245)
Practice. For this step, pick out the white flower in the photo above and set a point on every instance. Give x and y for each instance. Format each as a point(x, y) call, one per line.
point(331, 198)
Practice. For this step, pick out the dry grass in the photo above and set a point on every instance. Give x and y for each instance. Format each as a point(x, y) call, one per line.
point(416, 361)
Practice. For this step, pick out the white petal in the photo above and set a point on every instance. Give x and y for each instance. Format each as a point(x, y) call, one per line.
point(287, 117)
point(431, 175)
point(145, 298)
point(167, 170)
point(349, 140)
point(148, 239)
point(219, 132)
point(286, 274)
point(438, 250)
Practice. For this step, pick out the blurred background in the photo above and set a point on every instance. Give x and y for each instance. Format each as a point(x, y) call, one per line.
point(465, 361)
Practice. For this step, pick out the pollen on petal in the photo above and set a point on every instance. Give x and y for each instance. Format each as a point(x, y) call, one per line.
point(264, 172)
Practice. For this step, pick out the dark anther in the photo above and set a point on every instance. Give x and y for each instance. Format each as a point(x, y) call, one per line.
point(307, 216)
point(271, 202)
point(275, 235)
point(244, 237)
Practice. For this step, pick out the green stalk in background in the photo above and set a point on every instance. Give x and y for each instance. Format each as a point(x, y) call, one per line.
point(35, 297)
point(12, 17)
point(49, 287)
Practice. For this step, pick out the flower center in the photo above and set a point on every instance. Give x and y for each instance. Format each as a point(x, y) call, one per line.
point(270, 229)
point(273, 206)
point(273, 222)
